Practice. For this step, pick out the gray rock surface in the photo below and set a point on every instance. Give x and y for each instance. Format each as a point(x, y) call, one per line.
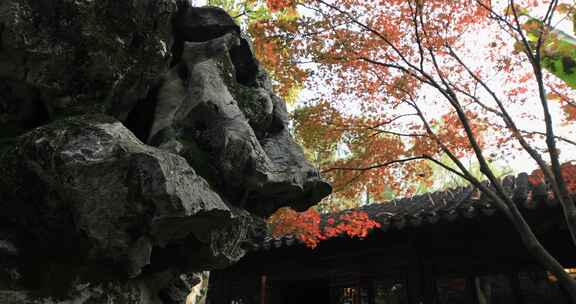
point(139, 141)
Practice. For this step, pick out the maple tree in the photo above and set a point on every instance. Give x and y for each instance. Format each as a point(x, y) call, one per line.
point(270, 24)
point(403, 84)
point(309, 227)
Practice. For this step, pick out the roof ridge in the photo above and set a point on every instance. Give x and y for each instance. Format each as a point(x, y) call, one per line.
point(450, 191)
point(450, 204)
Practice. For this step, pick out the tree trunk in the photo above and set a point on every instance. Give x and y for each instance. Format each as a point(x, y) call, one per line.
point(535, 248)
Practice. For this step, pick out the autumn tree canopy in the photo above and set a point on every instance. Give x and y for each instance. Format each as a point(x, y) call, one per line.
point(360, 115)
point(404, 87)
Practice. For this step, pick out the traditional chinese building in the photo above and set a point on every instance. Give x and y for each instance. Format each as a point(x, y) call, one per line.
point(449, 247)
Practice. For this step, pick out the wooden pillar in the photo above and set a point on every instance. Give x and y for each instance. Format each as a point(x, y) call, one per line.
point(357, 296)
point(218, 291)
point(416, 273)
point(371, 293)
point(472, 288)
point(263, 287)
point(429, 293)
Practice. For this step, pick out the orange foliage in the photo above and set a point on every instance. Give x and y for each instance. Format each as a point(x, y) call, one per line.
point(340, 49)
point(319, 126)
point(562, 93)
point(276, 52)
point(307, 225)
point(569, 111)
point(276, 5)
point(304, 225)
point(353, 224)
point(568, 170)
point(367, 59)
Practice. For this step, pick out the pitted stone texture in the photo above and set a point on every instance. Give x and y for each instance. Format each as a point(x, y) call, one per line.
point(86, 56)
point(239, 130)
point(95, 182)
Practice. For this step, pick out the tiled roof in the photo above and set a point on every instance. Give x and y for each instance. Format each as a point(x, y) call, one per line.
point(448, 205)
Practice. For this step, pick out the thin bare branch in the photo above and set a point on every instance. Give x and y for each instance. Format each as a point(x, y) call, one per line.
point(376, 166)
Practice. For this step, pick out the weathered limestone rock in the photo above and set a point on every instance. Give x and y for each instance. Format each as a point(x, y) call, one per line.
point(139, 141)
point(240, 130)
point(123, 196)
point(80, 56)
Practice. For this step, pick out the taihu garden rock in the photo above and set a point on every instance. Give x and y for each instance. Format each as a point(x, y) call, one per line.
point(140, 141)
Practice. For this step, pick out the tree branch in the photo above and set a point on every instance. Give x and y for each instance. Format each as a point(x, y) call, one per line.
point(376, 166)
